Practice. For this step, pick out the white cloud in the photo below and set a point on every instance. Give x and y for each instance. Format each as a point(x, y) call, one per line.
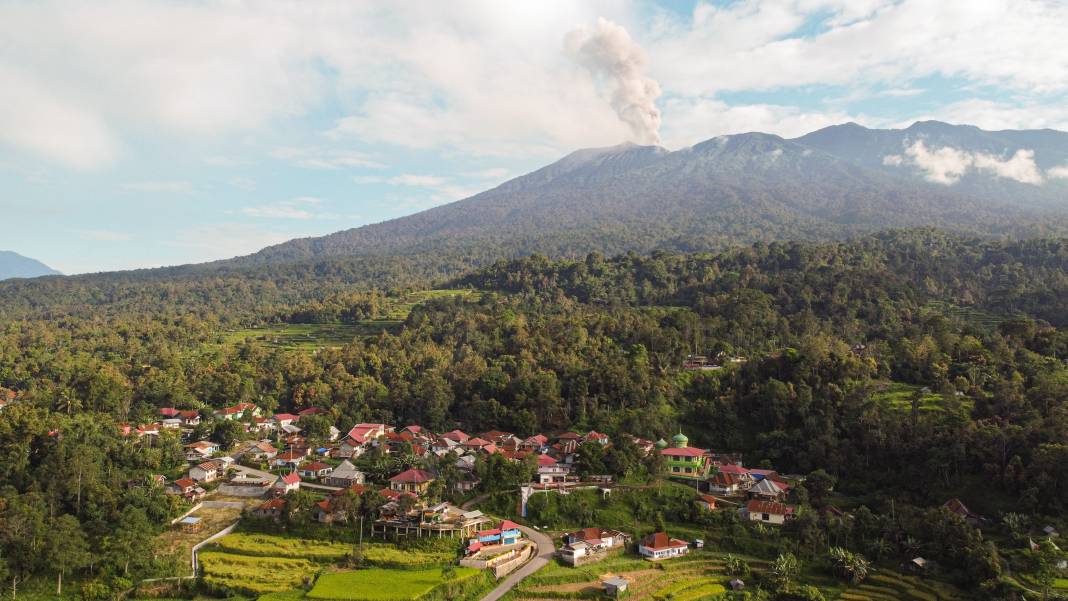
point(692, 120)
point(946, 165)
point(158, 186)
point(755, 44)
point(1058, 172)
point(104, 235)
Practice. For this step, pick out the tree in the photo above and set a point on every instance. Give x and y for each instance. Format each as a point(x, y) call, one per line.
point(130, 540)
point(448, 571)
point(735, 566)
point(66, 548)
point(785, 569)
point(851, 566)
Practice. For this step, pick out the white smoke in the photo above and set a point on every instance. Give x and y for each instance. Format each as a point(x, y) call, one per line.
point(608, 52)
point(946, 165)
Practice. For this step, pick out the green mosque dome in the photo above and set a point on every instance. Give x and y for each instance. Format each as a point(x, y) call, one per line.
point(680, 440)
point(661, 444)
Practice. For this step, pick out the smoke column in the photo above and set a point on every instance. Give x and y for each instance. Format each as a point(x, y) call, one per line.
point(608, 52)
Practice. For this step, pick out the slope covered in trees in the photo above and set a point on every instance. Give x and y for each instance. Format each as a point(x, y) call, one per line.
point(597, 343)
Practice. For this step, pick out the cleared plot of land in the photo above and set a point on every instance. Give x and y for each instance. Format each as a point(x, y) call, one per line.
point(213, 519)
point(382, 585)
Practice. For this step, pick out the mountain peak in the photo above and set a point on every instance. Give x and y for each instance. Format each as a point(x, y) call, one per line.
point(14, 265)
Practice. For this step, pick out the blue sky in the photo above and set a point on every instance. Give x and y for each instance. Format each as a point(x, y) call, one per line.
point(139, 134)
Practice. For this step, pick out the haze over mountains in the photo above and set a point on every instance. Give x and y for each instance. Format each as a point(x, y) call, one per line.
point(14, 265)
point(836, 182)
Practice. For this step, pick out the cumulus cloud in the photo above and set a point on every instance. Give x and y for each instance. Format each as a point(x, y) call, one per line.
point(946, 165)
point(608, 52)
point(693, 120)
point(1058, 172)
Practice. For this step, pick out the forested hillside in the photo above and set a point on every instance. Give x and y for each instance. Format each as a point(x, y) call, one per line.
point(829, 333)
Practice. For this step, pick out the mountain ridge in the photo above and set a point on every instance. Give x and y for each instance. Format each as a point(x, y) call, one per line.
point(14, 265)
point(830, 183)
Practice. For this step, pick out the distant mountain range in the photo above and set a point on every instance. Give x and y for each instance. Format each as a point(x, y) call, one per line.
point(14, 265)
point(832, 183)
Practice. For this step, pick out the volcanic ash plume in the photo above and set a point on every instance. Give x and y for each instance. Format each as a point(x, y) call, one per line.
point(609, 52)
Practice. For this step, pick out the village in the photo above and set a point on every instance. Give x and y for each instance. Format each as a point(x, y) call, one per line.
point(343, 481)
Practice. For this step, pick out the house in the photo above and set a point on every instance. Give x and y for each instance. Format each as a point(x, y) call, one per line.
point(185, 488)
point(959, 508)
point(553, 474)
point(742, 475)
point(477, 444)
point(413, 430)
point(737, 584)
point(615, 586)
point(467, 482)
point(171, 423)
point(768, 489)
point(367, 433)
point(270, 509)
point(724, 483)
point(286, 484)
point(412, 481)
point(291, 458)
point(659, 545)
point(344, 475)
point(590, 544)
point(442, 445)
point(314, 470)
point(457, 436)
point(262, 451)
point(201, 449)
point(686, 462)
point(237, 411)
point(596, 437)
point(285, 419)
point(204, 472)
point(707, 502)
point(189, 418)
point(507, 533)
point(535, 444)
point(768, 512)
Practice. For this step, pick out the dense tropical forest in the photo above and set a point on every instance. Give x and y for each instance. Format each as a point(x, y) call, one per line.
point(910, 366)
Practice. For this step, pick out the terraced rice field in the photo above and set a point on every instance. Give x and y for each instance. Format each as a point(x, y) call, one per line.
point(254, 574)
point(891, 586)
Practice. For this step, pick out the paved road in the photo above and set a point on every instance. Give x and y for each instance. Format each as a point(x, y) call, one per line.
point(254, 473)
point(545, 554)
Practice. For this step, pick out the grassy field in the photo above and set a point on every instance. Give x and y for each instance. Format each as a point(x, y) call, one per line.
point(382, 585)
point(309, 337)
point(255, 574)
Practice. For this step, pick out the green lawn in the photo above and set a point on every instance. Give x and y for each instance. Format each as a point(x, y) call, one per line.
point(382, 585)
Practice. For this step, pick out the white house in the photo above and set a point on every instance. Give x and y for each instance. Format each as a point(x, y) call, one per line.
point(659, 546)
